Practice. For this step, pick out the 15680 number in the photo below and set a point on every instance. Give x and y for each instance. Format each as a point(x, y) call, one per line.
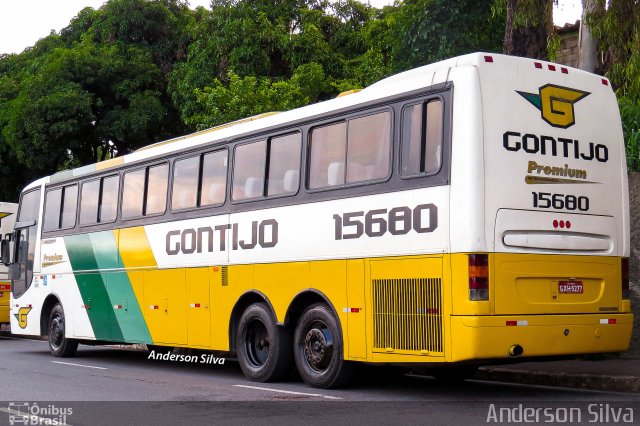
point(397, 221)
point(546, 200)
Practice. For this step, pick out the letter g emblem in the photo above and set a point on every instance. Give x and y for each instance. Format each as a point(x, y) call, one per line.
point(556, 104)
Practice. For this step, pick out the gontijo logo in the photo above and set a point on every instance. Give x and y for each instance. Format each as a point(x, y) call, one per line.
point(555, 104)
point(21, 316)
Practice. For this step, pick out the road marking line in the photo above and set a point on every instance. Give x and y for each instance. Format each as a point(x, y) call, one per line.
point(79, 365)
point(33, 419)
point(290, 392)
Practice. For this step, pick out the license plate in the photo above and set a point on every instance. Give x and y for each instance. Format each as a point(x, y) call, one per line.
point(570, 287)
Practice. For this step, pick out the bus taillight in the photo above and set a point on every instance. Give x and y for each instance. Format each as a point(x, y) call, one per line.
point(625, 277)
point(478, 277)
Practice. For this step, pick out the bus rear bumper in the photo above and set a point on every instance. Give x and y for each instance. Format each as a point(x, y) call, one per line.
point(494, 337)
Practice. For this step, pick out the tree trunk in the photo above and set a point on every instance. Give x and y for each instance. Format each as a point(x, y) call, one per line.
point(528, 26)
point(587, 45)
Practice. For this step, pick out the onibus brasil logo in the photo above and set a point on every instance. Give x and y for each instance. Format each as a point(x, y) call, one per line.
point(555, 104)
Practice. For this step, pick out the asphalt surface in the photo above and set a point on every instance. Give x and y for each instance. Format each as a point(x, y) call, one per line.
point(117, 386)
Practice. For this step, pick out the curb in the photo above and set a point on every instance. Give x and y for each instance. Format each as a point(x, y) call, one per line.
point(580, 381)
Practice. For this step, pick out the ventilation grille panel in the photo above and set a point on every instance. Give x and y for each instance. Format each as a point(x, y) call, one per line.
point(407, 315)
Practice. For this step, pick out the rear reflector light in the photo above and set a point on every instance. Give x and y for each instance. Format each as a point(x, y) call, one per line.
point(625, 277)
point(478, 277)
point(564, 70)
point(488, 58)
point(605, 82)
point(538, 65)
point(552, 67)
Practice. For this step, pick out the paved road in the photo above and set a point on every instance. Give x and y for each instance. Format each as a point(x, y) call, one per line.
point(116, 386)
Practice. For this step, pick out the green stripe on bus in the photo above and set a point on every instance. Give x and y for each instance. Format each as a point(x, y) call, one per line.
point(128, 314)
point(92, 288)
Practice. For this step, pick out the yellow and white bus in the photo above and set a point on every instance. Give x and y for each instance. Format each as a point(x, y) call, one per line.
point(7, 218)
point(473, 210)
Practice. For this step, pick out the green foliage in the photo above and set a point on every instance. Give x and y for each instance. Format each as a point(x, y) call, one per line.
point(617, 29)
point(630, 115)
point(248, 96)
point(96, 89)
point(137, 71)
point(426, 31)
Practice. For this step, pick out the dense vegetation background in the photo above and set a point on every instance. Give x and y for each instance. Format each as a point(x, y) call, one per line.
point(138, 71)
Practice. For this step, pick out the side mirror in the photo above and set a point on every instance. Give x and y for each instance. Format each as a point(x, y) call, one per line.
point(5, 251)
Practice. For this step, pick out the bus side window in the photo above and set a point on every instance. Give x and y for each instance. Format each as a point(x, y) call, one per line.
point(368, 147)
point(145, 191)
point(157, 183)
point(422, 128)
point(133, 193)
point(356, 151)
point(52, 205)
point(60, 208)
point(99, 200)
point(328, 151)
point(214, 178)
point(109, 199)
point(185, 183)
point(248, 170)
point(89, 200)
point(275, 161)
point(284, 164)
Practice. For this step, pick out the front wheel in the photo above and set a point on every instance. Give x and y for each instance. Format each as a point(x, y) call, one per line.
point(59, 345)
point(318, 349)
point(264, 349)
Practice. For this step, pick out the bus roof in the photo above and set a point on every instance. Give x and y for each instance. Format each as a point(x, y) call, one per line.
point(397, 84)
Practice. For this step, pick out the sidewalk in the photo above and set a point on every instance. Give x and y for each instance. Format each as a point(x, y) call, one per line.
point(619, 375)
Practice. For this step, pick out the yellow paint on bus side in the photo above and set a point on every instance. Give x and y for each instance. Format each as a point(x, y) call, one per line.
point(412, 309)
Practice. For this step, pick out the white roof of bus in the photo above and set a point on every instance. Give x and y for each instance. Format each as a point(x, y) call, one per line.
point(399, 83)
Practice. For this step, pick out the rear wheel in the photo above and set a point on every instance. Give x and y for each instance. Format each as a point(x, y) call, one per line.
point(318, 349)
point(59, 345)
point(264, 349)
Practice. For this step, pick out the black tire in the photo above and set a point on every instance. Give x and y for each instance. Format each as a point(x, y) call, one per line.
point(264, 349)
point(59, 345)
point(318, 349)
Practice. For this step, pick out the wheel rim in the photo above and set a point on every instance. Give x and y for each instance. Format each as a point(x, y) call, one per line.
point(56, 331)
point(257, 343)
point(318, 346)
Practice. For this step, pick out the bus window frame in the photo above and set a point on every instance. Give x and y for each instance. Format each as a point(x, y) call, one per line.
point(145, 167)
point(63, 189)
point(303, 125)
point(267, 137)
point(346, 118)
point(200, 155)
point(100, 179)
point(445, 135)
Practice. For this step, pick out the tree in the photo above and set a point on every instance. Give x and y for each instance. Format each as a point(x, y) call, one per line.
point(95, 90)
point(617, 30)
point(616, 27)
point(529, 25)
point(426, 31)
